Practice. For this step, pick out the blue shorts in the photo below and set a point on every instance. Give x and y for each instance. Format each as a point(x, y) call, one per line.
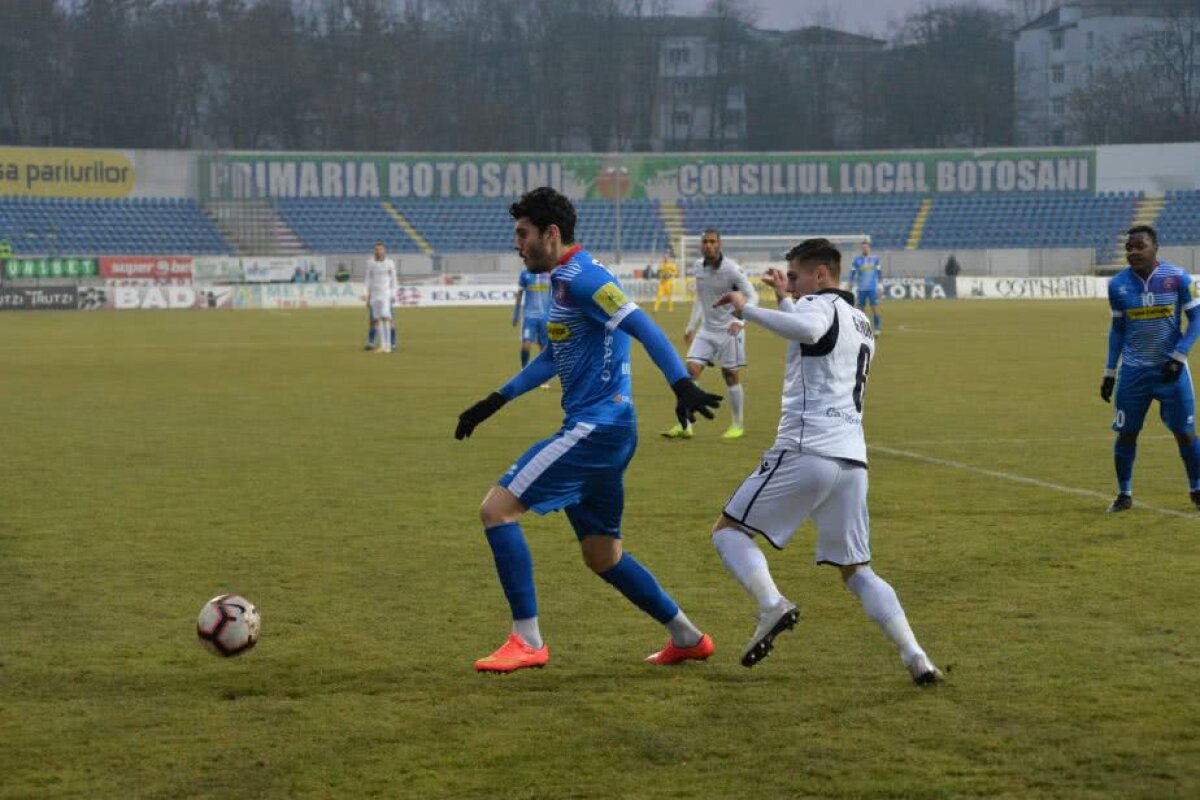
point(1137, 386)
point(867, 294)
point(535, 330)
point(580, 469)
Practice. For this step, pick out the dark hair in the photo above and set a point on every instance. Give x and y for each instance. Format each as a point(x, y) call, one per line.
point(1146, 229)
point(820, 251)
point(713, 231)
point(545, 207)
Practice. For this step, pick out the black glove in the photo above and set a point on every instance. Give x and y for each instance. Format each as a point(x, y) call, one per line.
point(1172, 370)
point(692, 399)
point(477, 413)
point(1106, 388)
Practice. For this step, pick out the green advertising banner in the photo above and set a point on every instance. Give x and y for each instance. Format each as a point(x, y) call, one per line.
point(667, 178)
point(49, 267)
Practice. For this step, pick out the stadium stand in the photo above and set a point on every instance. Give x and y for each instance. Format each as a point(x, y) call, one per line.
point(179, 226)
point(344, 226)
point(1041, 220)
point(887, 220)
point(143, 226)
point(1179, 221)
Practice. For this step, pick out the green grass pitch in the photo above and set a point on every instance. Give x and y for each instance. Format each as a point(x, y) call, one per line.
point(152, 460)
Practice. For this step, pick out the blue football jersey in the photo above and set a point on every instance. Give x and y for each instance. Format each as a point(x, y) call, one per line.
point(591, 355)
point(1153, 312)
point(537, 293)
point(866, 268)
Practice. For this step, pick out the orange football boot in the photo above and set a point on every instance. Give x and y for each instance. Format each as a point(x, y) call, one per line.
point(513, 655)
point(674, 654)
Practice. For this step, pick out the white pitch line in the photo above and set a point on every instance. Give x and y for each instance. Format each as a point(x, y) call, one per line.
point(1014, 478)
point(1026, 440)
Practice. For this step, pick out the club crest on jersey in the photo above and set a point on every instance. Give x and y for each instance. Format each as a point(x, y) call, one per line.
point(610, 298)
point(562, 293)
point(558, 332)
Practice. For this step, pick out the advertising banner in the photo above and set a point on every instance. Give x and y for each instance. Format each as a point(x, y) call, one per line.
point(937, 287)
point(62, 298)
point(1061, 288)
point(425, 296)
point(263, 269)
point(152, 269)
point(668, 178)
point(217, 269)
point(299, 295)
point(17, 268)
point(56, 172)
point(161, 298)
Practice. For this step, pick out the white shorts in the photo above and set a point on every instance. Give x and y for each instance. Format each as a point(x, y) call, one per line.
point(381, 308)
point(790, 487)
point(719, 349)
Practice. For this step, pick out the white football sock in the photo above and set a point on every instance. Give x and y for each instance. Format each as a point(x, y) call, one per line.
point(737, 401)
point(882, 605)
point(748, 565)
point(683, 632)
point(528, 630)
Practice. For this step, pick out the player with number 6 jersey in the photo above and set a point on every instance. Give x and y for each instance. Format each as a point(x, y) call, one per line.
point(817, 468)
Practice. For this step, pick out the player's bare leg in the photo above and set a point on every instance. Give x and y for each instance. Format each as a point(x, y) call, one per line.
point(678, 431)
point(882, 605)
point(747, 564)
point(737, 402)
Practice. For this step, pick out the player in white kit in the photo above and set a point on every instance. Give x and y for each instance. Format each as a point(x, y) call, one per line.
point(817, 468)
point(381, 292)
point(713, 335)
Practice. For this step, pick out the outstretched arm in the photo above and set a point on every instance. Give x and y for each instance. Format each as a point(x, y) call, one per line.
point(537, 372)
point(690, 399)
point(806, 321)
point(639, 325)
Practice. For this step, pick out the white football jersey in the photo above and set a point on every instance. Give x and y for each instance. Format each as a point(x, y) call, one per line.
point(711, 283)
point(381, 278)
point(830, 348)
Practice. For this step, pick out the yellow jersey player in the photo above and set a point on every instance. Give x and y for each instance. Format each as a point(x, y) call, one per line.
point(667, 273)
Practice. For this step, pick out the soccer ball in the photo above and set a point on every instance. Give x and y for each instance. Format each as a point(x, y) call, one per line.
point(228, 625)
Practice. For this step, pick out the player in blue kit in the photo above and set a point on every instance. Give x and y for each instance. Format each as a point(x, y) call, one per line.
point(581, 468)
point(534, 289)
point(864, 280)
point(1148, 301)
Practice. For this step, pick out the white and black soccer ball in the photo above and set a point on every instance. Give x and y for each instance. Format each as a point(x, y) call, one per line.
point(228, 625)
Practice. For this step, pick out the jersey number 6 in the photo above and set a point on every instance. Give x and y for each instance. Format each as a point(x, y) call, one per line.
point(860, 377)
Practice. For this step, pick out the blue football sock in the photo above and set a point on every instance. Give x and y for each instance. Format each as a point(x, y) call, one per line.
point(1123, 456)
point(1190, 453)
point(393, 337)
point(514, 565)
point(524, 357)
point(639, 585)
point(371, 335)
point(876, 321)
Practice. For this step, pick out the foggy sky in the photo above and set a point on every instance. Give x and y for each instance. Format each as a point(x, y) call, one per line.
point(857, 16)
